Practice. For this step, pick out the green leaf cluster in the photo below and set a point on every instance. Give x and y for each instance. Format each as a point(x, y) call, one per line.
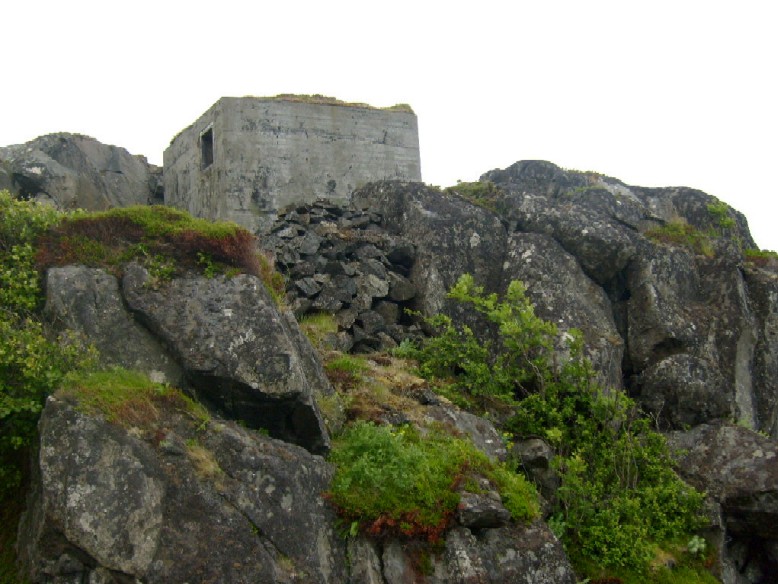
point(32, 363)
point(516, 365)
point(620, 497)
point(397, 481)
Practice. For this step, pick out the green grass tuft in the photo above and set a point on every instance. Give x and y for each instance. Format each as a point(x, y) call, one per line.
point(394, 481)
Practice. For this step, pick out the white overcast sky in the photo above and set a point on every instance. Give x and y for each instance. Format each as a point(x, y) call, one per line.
point(656, 93)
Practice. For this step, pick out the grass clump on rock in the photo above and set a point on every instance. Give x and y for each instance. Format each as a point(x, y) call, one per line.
point(166, 240)
point(399, 482)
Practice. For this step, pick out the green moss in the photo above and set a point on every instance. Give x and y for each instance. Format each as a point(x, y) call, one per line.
point(680, 233)
point(484, 194)
point(128, 398)
point(166, 240)
point(327, 100)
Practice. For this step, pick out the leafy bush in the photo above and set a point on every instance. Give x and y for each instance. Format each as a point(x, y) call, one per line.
point(619, 497)
point(721, 212)
point(516, 367)
point(32, 364)
point(397, 482)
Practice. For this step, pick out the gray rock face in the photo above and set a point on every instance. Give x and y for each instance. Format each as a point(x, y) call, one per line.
point(176, 501)
point(228, 505)
point(88, 301)
point(739, 471)
point(564, 295)
point(74, 171)
point(452, 237)
point(239, 353)
point(691, 337)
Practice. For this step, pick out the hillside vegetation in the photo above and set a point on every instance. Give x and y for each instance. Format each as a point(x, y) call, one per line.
point(621, 511)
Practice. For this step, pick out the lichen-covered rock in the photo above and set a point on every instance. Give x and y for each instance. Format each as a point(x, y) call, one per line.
point(88, 301)
point(564, 295)
point(78, 172)
point(738, 469)
point(526, 554)
point(176, 504)
point(239, 353)
point(452, 237)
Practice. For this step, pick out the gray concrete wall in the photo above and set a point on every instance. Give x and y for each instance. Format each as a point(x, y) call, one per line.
point(270, 153)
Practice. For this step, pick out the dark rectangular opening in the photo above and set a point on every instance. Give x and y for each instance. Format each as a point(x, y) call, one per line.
point(206, 148)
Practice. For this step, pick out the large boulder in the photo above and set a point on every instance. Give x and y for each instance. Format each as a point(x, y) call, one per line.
point(242, 357)
point(563, 294)
point(174, 502)
point(78, 172)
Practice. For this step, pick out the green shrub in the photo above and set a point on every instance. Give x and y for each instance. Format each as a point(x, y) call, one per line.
point(32, 364)
point(397, 482)
point(514, 368)
point(722, 214)
point(620, 497)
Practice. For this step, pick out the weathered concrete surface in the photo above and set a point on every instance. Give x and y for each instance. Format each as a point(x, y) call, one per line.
point(78, 172)
point(269, 153)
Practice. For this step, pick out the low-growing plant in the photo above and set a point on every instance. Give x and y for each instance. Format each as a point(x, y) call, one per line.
point(761, 258)
point(682, 234)
point(395, 481)
point(128, 398)
point(620, 497)
point(318, 326)
point(484, 194)
point(146, 234)
point(722, 214)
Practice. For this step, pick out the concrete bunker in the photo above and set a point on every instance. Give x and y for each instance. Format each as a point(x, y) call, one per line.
point(311, 148)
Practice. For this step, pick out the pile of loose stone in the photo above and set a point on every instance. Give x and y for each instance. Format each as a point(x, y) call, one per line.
point(340, 261)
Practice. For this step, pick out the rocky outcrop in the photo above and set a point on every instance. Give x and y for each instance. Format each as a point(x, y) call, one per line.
point(222, 338)
point(239, 353)
point(180, 500)
point(687, 332)
point(739, 471)
point(73, 171)
point(175, 504)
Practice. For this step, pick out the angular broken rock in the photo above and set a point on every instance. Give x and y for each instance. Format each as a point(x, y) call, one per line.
point(237, 350)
